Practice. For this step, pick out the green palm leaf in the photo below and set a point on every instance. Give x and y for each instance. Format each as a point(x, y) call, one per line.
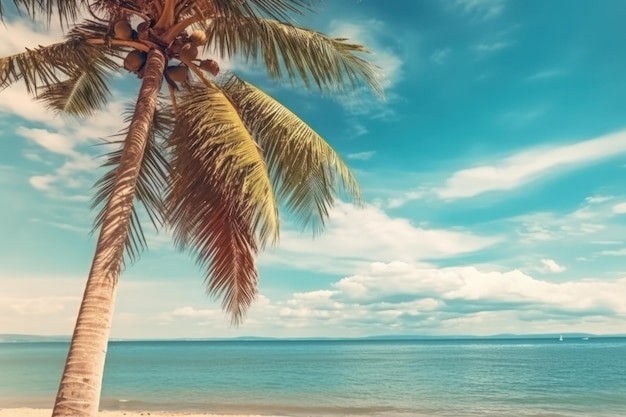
point(67, 10)
point(217, 222)
point(220, 203)
point(209, 124)
point(151, 182)
point(329, 63)
point(49, 65)
point(83, 94)
point(307, 173)
point(87, 28)
point(277, 9)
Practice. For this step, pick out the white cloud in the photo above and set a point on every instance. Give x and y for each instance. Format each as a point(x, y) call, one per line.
point(546, 226)
point(80, 163)
point(354, 237)
point(42, 182)
point(356, 129)
point(597, 199)
point(33, 156)
point(362, 156)
point(53, 142)
point(401, 200)
point(65, 145)
point(619, 208)
point(374, 35)
point(530, 165)
point(583, 228)
point(107, 122)
point(71, 227)
point(550, 265)
point(16, 101)
point(368, 33)
point(492, 47)
point(19, 34)
point(546, 74)
point(484, 9)
point(38, 306)
point(192, 312)
point(440, 56)
point(618, 252)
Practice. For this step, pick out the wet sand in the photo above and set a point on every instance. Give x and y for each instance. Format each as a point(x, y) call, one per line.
point(37, 412)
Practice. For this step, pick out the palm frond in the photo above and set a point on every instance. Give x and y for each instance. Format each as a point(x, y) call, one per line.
point(81, 95)
point(328, 63)
point(151, 182)
point(220, 204)
point(276, 9)
point(212, 127)
point(217, 222)
point(89, 28)
point(67, 10)
point(307, 174)
point(49, 65)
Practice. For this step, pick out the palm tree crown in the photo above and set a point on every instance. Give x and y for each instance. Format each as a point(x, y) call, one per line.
point(212, 158)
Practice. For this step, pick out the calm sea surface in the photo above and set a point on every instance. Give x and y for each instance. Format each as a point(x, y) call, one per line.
point(535, 377)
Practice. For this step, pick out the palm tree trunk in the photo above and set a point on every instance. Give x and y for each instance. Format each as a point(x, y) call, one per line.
point(81, 383)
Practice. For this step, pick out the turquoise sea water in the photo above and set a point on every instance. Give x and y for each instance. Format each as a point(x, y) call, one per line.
point(535, 377)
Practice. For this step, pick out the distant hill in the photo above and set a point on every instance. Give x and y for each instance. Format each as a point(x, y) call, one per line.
point(22, 338)
point(495, 336)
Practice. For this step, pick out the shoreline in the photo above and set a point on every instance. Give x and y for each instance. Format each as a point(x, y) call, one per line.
point(46, 412)
point(119, 408)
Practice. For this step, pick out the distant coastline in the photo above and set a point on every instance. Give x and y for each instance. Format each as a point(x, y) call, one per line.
point(26, 338)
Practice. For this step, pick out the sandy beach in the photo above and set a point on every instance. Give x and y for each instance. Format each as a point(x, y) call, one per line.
point(37, 412)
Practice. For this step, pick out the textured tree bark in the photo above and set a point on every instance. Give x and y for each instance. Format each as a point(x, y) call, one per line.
point(81, 383)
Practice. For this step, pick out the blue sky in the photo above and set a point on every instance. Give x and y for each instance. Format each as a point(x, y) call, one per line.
point(493, 172)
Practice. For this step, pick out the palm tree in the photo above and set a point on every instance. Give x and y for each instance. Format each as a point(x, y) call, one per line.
point(211, 159)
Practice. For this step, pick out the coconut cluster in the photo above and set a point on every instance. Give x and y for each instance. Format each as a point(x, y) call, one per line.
point(183, 48)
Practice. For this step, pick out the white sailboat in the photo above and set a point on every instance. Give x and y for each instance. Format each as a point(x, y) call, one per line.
point(560, 338)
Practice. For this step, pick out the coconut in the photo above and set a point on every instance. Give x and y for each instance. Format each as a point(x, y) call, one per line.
point(145, 25)
point(210, 66)
point(135, 60)
point(188, 52)
point(198, 37)
point(176, 46)
point(143, 30)
point(123, 30)
point(178, 73)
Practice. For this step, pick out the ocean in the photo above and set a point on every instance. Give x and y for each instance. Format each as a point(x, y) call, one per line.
point(404, 378)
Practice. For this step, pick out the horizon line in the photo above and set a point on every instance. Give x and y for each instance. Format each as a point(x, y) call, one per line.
point(389, 337)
